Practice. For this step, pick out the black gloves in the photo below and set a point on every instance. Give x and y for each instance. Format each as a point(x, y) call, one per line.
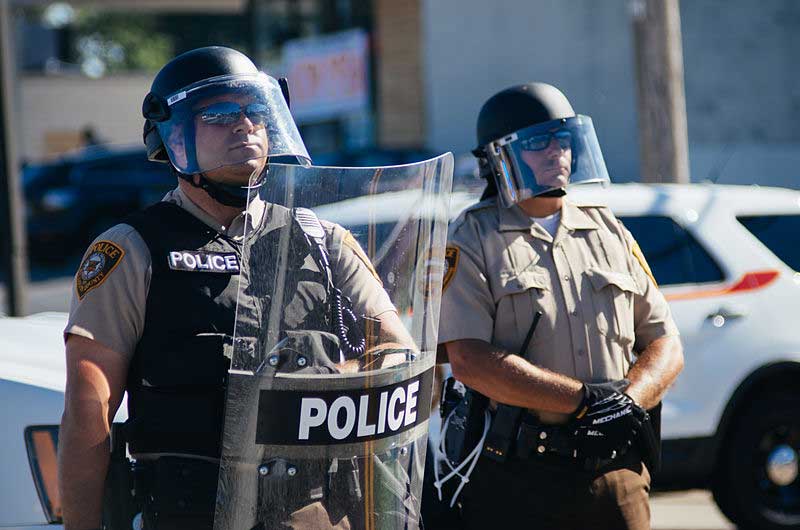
point(607, 422)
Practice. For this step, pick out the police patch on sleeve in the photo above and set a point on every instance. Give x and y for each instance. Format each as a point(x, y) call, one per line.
point(637, 253)
point(100, 262)
point(353, 245)
point(450, 265)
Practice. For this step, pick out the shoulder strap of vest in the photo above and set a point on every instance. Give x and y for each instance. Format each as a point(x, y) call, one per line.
point(346, 325)
point(309, 223)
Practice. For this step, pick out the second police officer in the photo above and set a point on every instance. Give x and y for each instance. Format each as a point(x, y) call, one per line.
point(155, 298)
point(550, 310)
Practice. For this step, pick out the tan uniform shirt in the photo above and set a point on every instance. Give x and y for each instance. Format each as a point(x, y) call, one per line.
point(112, 312)
point(599, 305)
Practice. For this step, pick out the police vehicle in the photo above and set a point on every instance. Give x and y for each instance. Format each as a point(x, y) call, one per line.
point(726, 259)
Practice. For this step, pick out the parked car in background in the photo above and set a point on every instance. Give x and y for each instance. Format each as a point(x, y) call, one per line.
point(32, 381)
point(372, 157)
point(728, 262)
point(71, 200)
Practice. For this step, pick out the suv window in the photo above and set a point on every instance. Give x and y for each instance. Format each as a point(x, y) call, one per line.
point(778, 233)
point(672, 252)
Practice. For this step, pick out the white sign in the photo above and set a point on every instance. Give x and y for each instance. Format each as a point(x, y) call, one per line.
point(328, 75)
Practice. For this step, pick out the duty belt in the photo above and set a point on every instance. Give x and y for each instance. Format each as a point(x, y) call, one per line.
point(555, 443)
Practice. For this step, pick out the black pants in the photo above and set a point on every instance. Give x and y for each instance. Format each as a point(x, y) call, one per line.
point(545, 494)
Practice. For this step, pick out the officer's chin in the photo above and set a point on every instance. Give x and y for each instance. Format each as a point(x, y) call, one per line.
point(555, 180)
point(241, 174)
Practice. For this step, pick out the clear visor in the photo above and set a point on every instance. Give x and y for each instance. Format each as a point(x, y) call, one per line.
point(546, 157)
point(229, 121)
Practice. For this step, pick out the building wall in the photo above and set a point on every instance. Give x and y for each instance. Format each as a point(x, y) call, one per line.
point(743, 90)
point(56, 108)
point(475, 48)
point(742, 87)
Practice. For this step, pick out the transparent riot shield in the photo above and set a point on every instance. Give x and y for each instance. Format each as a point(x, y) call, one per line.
point(328, 394)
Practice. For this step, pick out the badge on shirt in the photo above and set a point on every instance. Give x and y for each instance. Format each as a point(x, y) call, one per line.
point(450, 265)
point(353, 245)
point(100, 262)
point(431, 281)
point(200, 261)
point(637, 253)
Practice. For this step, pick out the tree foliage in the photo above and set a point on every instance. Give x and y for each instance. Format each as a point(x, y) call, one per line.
point(115, 41)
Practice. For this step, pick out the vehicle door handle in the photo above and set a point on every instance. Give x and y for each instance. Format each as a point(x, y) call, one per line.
point(724, 314)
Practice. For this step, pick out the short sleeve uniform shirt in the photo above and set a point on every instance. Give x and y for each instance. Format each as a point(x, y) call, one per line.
point(598, 300)
point(111, 312)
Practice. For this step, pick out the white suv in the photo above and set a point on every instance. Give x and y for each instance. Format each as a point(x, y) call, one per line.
point(727, 259)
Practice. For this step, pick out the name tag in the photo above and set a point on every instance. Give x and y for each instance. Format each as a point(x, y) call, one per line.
point(194, 261)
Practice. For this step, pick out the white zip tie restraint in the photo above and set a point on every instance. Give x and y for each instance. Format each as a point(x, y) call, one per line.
point(471, 458)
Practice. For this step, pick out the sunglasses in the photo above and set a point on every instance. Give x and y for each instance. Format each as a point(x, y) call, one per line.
point(541, 141)
point(228, 113)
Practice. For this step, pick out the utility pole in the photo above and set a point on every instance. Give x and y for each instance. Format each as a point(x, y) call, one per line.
point(664, 143)
point(14, 249)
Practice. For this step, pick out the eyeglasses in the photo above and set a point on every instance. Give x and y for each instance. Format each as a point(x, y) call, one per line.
point(541, 141)
point(228, 112)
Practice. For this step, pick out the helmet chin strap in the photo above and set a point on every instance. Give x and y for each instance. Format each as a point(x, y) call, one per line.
point(558, 192)
point(234, 196)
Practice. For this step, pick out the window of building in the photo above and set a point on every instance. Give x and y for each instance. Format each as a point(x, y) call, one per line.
point(778, 233)
point(673, 253)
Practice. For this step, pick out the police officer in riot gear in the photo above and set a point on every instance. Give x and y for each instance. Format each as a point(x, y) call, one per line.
point(569, 441)
point(155, 299)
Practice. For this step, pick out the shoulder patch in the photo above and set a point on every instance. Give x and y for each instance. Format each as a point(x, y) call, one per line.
point(353, 245)
point(637, 253)
point(450, 265)
point(102, 259)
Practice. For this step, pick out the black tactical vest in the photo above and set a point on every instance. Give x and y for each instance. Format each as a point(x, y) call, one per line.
point(176, 380)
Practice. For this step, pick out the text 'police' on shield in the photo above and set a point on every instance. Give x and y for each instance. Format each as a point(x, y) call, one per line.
point(343, 416)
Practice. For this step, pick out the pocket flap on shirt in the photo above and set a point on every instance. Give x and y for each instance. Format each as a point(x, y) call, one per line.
point(512, 282)
point(601, 279)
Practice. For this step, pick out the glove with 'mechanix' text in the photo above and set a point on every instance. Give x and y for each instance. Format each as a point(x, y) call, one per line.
point(607, 422)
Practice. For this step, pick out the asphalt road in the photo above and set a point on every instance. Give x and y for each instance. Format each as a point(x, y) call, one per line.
point(691, 510)
point(686, 510)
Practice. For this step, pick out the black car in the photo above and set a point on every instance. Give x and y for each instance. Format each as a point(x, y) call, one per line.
point(71, 200)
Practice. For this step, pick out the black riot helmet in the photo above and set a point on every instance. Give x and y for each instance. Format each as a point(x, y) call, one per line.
point(206, 93)
point(531, 143)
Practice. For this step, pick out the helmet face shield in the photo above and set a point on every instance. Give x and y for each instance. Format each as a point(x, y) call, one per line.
point(546, 157)
point(230, 121)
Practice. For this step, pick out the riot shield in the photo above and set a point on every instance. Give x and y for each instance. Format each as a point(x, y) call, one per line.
point(327, 405)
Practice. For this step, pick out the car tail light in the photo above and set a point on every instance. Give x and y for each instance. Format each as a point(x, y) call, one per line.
point(41, 442)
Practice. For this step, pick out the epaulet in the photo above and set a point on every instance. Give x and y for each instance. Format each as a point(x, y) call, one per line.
point(471, 209)
point(309, 223)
